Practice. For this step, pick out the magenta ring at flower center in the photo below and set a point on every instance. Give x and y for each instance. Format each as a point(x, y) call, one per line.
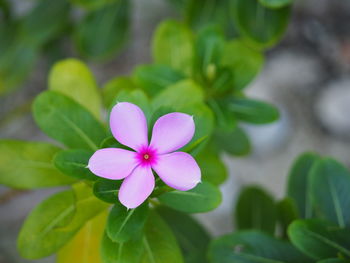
point(147, 156)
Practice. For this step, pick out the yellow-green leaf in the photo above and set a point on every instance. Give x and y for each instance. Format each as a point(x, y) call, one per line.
point(74, 79)
point(85, 246)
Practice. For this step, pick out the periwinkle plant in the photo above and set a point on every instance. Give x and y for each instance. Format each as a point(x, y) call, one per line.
point(132, 183)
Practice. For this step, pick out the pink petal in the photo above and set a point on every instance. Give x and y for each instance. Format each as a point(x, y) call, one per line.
point(171, 132)
point(129, 125)
point(179, 170)
point(112, 163)
point(137, 187)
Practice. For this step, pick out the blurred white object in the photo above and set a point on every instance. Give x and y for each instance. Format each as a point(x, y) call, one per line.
point(333, 107)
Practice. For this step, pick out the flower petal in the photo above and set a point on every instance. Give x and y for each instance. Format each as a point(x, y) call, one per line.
point(112, 163)
point(137, 187)
point(129, 125)
point(179, 170)
point(171, 132)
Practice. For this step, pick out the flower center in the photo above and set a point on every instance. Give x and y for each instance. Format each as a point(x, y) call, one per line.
point(147, 156)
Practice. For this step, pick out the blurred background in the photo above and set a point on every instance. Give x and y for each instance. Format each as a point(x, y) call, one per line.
point(306, 76)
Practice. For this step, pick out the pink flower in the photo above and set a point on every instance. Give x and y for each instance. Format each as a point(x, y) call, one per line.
point(170, 132)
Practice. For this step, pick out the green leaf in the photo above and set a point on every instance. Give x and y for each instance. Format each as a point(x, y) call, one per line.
point(173, 46)
point(29, 165)
point(253, 247)
point(66, 121)
point(16, 63)
point(213, 169)
point(287, 213)
point(319, 239)
point(173, 96)
point(258, 25)
point(298, 186)
point(44, 22)
point(333, 260)
point(92, 4)
point(253, 111)
point(74, 163)
point(73, 78)
point(208, 49)
point(225, 120)
point(154, 78)
point(41, 234)
point(329, 186)
point(207, 12)
point(235, 142)
point(102, 32)
point(245, 63)
point(113, 87)
point(90, 236)
point(107, 190)
point(274, 4)
point(192, 237)
point(56, 220)
point(123, 224)
point(203, 198)
point(159, 242)
point(256, 209)
point(86, 206)
point(129, 252)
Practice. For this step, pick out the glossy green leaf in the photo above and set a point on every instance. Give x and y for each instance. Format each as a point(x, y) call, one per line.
point(225, 119)
point(275, 3)
point(107, 190)
point(329, 188)
point(74, 163)
point(199, 14)
point(253, 247)
point(253, 111)
point(28, 165)
point(319, 239)
point(213, 169)
point(102, 32)
point(129, 252)
point(113, 87)
point(173, 46)
point(41, 234)
point(235, 142)
point(257, 24)
point(86, 206)
point(66, 121)
point(203, 198)
point(298, 186)
point(173, 96)
point(159, 242)
point(154, 78)
point(191, 236)
point(56, 220)
point(244, 62)
point(74, 79)
point(287, 213)
point(256, 209)
point(84, 246)
point(123, 224)
point(208, 49)
point(44, 22)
